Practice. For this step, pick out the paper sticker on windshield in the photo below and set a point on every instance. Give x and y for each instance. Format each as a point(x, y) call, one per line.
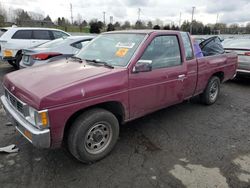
point(125, 45)
point(121, 52)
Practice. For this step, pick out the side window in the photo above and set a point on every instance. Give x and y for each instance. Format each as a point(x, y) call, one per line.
point(80, 45)
point(59, 34)
point(187, 46)
point(22, 34)
point(163, 51)
point(41, 35)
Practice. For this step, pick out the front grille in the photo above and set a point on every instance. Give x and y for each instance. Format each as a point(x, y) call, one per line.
point(16, 103)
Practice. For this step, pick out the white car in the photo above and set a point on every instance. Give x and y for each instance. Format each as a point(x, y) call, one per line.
point(14, 39)
point(53, 50)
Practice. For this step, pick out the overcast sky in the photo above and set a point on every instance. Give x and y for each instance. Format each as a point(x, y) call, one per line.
point(229, 11)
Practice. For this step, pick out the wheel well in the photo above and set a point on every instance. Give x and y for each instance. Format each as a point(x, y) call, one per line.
point(220, 75)
point(114, 107)
point(19, 52)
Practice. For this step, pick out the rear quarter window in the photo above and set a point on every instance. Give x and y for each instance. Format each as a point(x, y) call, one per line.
point(22, 34)
point(187, 46)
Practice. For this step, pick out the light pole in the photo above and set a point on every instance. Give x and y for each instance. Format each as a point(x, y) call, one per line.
point(180, 20)
point(191, 24)
point(104, 17)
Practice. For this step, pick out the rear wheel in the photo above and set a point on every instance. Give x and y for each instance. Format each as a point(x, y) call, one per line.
point(211, 93)
point(93, 135)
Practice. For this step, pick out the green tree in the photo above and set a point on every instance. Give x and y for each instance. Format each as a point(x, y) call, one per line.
point(117, 25)
point(126, 25)
point(156, 27)
point(95, 26)
point(139, 25)
point(111, 27)
point(150, 25)
point(166, 27)
point(47, 18)
point(185, 26)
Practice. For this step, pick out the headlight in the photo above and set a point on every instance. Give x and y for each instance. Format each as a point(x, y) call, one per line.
point(40, 119)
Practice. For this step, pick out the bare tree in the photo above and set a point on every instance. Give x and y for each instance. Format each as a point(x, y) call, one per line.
point(79, 19)
point(3, 15)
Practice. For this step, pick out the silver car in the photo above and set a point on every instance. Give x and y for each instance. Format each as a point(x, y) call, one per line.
point(242, 48)
point(53, 50)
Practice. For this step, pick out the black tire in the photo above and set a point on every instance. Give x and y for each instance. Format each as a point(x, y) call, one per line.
point(211, 93)
point(18, 60)
point(85, 130)
point(11, 62)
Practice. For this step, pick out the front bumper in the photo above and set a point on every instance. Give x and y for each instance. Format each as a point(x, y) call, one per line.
point(8, 58)
point(39, 138)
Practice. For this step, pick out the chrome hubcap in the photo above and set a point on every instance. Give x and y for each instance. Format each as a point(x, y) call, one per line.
point(214, 91)
point(98, 138)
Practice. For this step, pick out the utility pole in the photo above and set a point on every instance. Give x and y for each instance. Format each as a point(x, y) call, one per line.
point(104, 18)
point(71, 13)
point(191, 24)
point(217, 18)
point(111, 19)
point(139, 14)
point(180, 21)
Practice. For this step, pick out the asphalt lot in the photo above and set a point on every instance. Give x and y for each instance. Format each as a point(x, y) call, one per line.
point(187, 145)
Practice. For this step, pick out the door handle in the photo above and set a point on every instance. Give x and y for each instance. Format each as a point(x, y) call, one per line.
point(181, 77)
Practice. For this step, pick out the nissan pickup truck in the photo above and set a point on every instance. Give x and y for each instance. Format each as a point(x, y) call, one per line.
point(118, 77)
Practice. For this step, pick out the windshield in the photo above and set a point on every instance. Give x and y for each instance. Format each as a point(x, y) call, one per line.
point(53, 43)
point(114, 49)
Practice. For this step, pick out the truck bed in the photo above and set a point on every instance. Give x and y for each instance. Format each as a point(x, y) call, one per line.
point(208, 65)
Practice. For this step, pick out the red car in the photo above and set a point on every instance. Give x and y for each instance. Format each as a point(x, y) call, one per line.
point(117, 77)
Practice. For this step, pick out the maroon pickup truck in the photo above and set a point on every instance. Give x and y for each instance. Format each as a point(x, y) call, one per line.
point(118, 77)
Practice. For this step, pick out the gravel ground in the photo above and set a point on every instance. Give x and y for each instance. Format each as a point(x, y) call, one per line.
point(187, 145)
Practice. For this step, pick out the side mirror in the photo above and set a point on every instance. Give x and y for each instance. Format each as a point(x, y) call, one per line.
point(143, 66)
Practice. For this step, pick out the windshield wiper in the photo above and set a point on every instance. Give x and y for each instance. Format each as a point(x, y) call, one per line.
point(76, 58)
point(100, 62)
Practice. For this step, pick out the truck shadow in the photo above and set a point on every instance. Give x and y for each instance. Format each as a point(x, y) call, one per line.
point(241, 80)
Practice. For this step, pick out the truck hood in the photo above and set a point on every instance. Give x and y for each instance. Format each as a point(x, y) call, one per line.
point(31, 85)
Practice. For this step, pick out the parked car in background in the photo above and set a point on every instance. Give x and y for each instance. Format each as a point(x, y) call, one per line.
point(14, 39)
point(242, 47)
point(117, 77)
point(2, 31)
point(53, 50)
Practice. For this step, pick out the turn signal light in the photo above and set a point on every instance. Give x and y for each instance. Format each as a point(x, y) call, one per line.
point(7, 53)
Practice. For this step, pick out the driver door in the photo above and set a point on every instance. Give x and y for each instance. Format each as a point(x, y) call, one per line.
point(163, 85)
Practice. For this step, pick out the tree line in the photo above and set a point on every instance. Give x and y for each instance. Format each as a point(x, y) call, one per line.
point(23, 18)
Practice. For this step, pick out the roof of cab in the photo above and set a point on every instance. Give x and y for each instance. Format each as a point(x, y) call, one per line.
point(143, 31)
point(32, 28)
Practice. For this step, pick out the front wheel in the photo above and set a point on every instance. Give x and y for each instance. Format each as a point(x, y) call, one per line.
point(93, 135)
point(211, 93)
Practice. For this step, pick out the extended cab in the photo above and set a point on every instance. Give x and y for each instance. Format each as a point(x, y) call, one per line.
point(117, 77)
